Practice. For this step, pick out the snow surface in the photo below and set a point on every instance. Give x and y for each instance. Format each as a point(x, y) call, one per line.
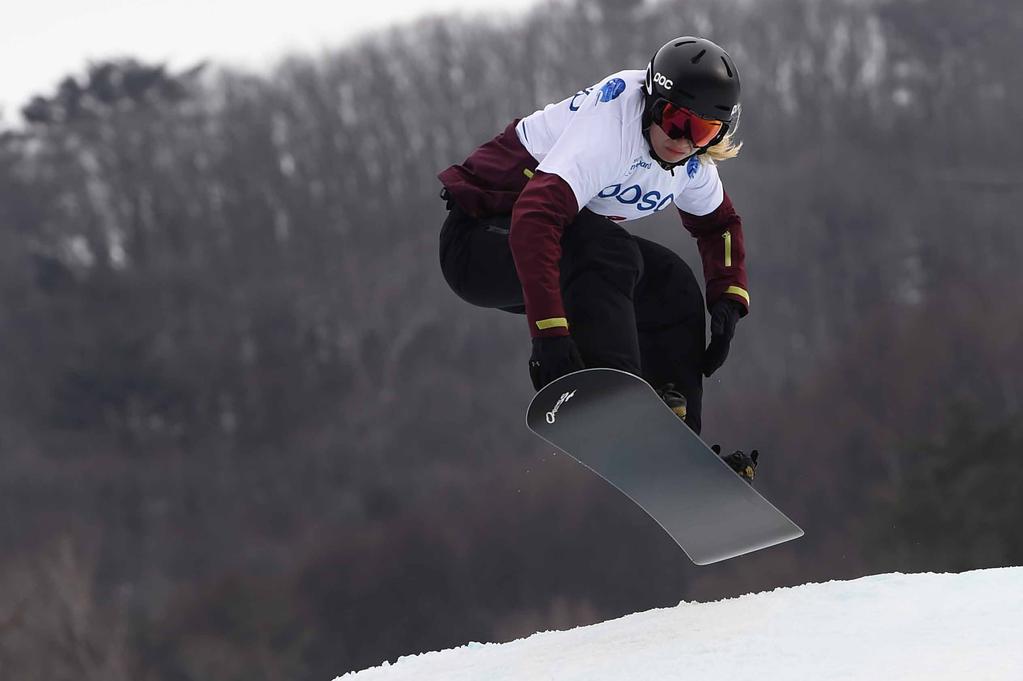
point(933, 627)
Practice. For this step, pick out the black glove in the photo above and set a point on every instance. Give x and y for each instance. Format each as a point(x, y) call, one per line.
point(723, 316)
point(552, 358)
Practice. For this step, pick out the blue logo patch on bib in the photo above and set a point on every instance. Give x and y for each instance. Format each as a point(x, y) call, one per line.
point(612, 89)
point(692, 166)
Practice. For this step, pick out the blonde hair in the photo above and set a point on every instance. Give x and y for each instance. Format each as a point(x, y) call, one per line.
point(726, 148)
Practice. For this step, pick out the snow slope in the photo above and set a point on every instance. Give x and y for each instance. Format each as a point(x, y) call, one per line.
point(933, 627)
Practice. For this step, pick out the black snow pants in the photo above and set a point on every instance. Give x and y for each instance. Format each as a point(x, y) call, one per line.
point(631, 304)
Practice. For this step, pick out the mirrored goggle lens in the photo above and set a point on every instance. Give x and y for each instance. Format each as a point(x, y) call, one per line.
point(677, 123)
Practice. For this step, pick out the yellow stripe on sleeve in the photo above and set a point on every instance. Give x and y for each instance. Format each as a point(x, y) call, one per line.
point(552, 323)
point(739, 291)
point(728, 249)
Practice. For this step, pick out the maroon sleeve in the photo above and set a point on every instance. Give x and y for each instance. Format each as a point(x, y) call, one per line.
point(719, 238)
point(489, 181)
point(542, 211)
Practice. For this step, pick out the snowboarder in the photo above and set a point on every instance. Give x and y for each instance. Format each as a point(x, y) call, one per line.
point(533, 225)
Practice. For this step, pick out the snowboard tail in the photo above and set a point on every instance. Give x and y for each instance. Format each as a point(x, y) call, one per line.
point(615, 424)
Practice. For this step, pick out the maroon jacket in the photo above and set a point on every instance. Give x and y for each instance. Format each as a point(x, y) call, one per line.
point(500, 177)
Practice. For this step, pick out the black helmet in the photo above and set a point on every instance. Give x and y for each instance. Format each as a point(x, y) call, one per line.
point(695, 74)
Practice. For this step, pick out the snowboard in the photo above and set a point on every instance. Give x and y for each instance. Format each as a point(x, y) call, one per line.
point(615, 424)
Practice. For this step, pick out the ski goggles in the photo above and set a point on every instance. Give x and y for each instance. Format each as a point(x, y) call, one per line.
point(677, 122)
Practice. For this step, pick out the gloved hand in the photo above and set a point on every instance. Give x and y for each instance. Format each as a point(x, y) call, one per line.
point(724, 314)
point(553, 357)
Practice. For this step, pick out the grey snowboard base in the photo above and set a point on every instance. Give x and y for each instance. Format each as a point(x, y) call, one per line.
point(615, 424)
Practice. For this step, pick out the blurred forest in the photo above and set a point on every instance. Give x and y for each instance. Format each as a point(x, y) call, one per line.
point(247, 432)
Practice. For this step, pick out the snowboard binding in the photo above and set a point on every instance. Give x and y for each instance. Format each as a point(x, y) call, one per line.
point(740, 462)
point(675, 400)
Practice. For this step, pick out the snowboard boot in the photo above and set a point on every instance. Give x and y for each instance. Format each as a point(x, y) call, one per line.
point(675, 400)
point(743, 464)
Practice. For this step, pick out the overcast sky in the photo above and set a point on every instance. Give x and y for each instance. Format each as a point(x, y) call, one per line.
point(41, 41)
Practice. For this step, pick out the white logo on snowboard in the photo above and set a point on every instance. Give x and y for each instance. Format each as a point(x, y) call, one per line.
point(552, 414)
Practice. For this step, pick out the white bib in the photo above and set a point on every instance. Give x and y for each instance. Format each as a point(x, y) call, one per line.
point(594, 141)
